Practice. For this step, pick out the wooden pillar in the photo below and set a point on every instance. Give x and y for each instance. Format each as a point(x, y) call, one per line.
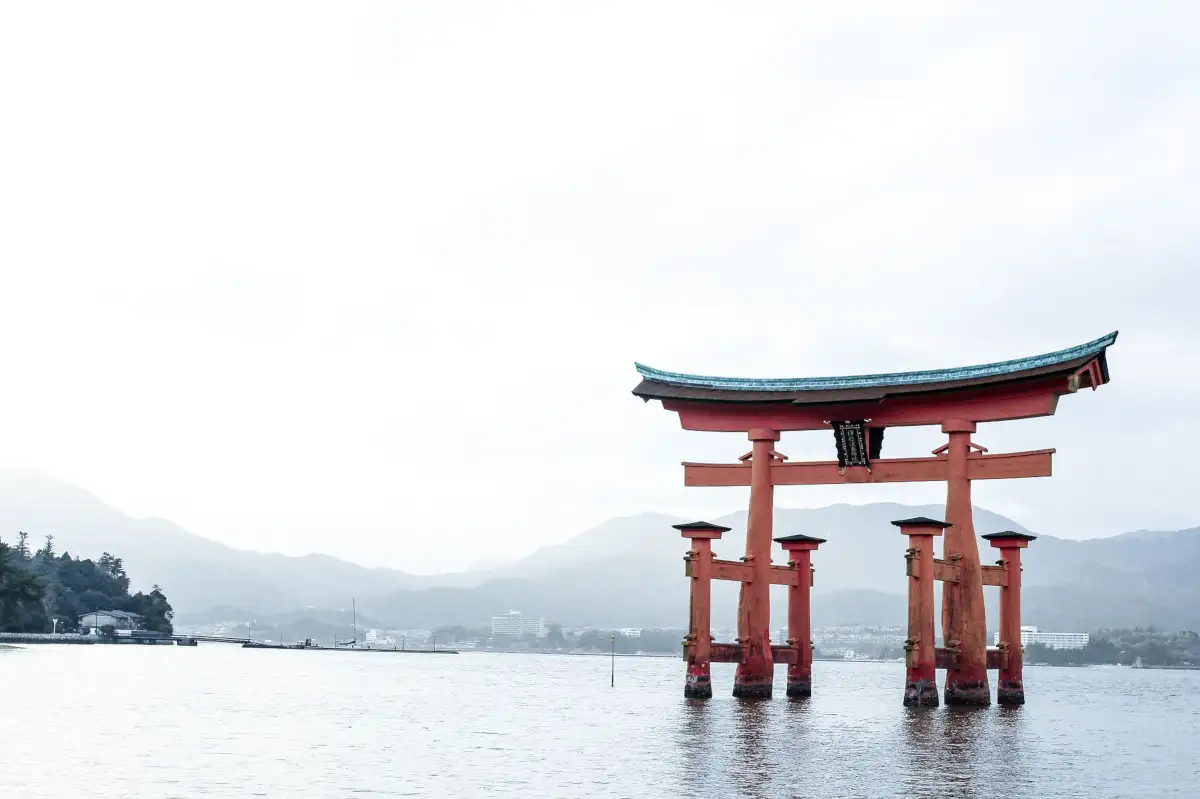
point(799, 673)
point(1010, 688)
point(697, 647)
point(964, 623)
point(920, 650)
point(755, 670)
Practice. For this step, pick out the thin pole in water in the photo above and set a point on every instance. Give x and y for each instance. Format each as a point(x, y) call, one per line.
point(613, 668)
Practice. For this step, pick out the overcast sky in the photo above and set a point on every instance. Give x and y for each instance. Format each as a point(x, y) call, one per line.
point(370, 279)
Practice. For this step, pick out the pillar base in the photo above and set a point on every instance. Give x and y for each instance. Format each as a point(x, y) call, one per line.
point(752, 690)
point(698, 683)
point(968, 693)
point(751, 685)
point(756, 672)
point(799, 681)
point(799, 688)
point(921, 693)
point(1010, 692)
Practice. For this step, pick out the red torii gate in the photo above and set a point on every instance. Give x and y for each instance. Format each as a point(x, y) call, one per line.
point(858, 409)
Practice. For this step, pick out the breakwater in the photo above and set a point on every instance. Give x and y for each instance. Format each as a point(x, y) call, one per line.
point(46, 638)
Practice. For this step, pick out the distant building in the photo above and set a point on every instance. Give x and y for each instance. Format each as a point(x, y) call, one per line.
point(1031, 635)
point(117, 619)
point(630, 632)
point(515, 624)
point(533, 626)
point(509, 624)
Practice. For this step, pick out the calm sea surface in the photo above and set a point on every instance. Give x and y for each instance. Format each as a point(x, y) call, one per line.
point(157, 722)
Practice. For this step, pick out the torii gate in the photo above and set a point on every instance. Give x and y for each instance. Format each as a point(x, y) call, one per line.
point(858, 409)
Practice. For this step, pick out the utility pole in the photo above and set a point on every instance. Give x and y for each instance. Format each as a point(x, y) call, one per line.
point(613, 662)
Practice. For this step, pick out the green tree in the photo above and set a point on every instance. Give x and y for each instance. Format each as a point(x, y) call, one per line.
point(155, 610)
point(20, 591)
point(35, 589)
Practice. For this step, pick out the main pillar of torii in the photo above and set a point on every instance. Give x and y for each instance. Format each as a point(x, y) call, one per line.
point(858, 409)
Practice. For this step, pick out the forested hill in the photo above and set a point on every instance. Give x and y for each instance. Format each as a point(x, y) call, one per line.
point(38, 587)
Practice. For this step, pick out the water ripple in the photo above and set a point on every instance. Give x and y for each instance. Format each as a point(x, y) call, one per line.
point(146, 723)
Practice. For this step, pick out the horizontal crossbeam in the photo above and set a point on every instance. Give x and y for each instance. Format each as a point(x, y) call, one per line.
point(1037, 397)
point(945, 571)
point(980, 466)
point(994, 575)
point(946, 658)
point(738, 572)
point(732, 653)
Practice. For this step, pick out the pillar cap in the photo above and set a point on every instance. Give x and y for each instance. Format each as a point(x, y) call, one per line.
point(1010, 537)
point(700, 529)
point(922, 521)
point(799, 541)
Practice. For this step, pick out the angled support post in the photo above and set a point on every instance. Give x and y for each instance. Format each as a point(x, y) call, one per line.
point(1010, 688)
point(799, 673)
point(920, 652)
point(697, 647)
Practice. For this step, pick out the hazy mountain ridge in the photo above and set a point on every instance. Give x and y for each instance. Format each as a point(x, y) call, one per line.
point(625, 572)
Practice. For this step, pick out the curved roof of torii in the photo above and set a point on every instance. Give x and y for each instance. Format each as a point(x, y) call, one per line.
point(659, 384)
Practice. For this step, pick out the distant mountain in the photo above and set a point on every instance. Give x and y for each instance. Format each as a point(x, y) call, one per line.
point(625, 572)
point(629, 572)
point(196, 573)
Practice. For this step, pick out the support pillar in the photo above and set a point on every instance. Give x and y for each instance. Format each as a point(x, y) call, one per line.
point(697, 647)
point(920, 650)
point(1010, 689)
point(799, 673)
point(755, 671)
point(964, 624)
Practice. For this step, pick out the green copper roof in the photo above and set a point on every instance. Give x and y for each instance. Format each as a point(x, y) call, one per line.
point(872, 381)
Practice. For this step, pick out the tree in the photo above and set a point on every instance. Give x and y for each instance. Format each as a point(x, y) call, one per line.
point(20, 592)
point(554, 637)
point(34, 590)
point(155, 610)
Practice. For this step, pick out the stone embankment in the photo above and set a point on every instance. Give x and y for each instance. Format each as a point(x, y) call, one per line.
point(45, 638)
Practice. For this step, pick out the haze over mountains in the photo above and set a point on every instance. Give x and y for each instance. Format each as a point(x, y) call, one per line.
point(626, 572)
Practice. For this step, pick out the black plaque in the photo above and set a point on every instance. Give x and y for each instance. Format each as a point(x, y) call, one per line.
point(851, 439)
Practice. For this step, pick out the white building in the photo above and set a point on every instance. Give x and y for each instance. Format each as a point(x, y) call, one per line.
point(630, 632)
point(509, 624)
point(515, 624)
point(117, 619)
point(1031, 635)
point(533, 626)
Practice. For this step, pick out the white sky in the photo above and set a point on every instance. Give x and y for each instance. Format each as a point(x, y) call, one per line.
point(369, 279)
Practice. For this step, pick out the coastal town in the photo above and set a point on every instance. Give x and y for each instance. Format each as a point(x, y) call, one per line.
point(516, 631)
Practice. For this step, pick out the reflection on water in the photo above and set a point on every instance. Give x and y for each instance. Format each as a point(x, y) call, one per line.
point(752, 723)
point(694, 743)
point(159, 722)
